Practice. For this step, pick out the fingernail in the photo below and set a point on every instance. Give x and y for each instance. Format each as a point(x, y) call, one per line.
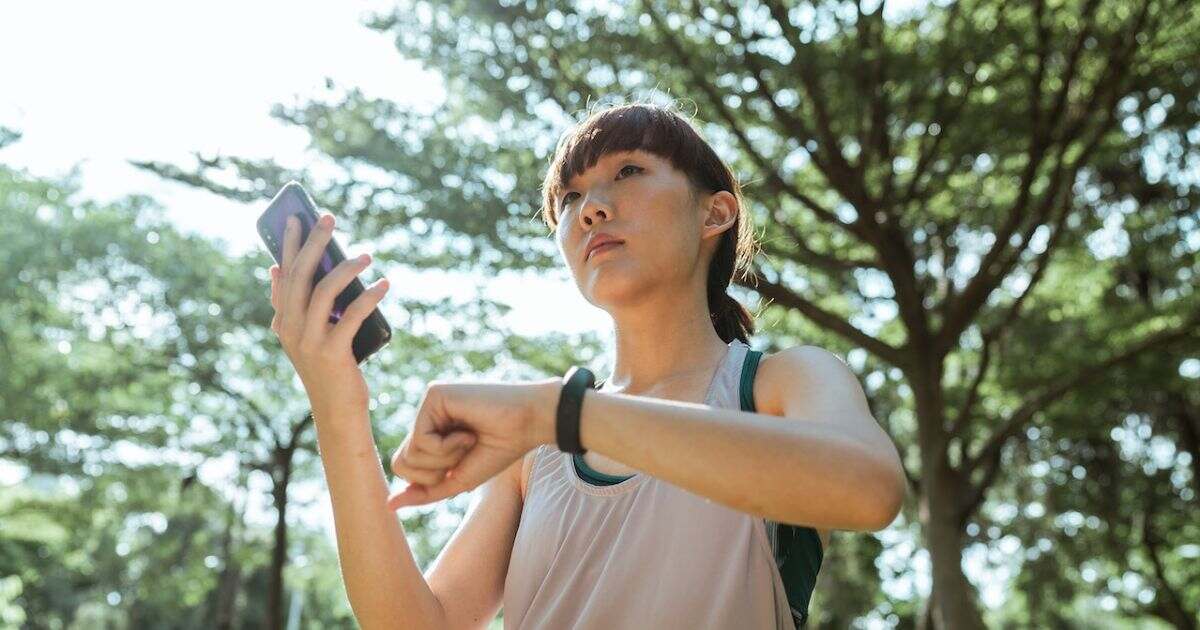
point(327, 220)
point(364, 258)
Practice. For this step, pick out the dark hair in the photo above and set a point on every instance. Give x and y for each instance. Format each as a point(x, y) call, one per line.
point(663, 131)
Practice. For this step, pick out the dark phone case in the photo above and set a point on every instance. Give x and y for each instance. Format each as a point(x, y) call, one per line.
point(293, 199)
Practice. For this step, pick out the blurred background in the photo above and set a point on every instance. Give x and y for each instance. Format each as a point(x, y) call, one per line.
point(988, 209)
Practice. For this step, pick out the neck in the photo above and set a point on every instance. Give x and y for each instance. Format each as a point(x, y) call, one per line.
point(663, 341)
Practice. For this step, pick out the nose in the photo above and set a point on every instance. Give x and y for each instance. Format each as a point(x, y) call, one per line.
point(595, 209)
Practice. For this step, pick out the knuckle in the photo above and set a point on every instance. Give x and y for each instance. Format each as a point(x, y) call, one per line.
point(429, 477)
point(332, 283)
point(308, 348)
point(286, 336)
point(397, 464)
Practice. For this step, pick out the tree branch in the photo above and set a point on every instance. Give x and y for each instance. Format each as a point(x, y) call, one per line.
point(1064, 385)
point(992, 334)
point(1172, 604)
point(961, 308)
point(939, 115)
point(842, 175)
point(806, 254)
point(863, 232)
point(826, 320)
point(298, 428)
point(252, 427)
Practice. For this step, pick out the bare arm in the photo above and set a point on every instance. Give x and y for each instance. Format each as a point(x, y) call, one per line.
point(828, 465)
point(383, 582)
point(468, 576)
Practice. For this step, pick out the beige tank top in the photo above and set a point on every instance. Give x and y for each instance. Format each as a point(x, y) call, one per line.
point(642, 553)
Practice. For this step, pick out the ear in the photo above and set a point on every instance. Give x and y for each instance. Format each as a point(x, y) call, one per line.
point(722, 212)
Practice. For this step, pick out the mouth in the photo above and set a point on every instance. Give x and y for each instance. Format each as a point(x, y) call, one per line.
point(603, 248)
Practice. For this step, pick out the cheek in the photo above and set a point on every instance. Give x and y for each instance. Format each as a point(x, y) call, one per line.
point(667, 236)
point(568, 254)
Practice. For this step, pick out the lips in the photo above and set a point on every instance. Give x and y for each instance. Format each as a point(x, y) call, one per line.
point(599, 249)
point(598, 241)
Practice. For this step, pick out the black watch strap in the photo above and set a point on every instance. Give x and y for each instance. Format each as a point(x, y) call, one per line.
point(570, 401)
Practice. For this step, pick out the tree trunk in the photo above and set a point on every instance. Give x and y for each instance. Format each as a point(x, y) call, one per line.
point(1189, 437)
point(954, 603)
point(281, 476)
point(925, 616)
point(229, 580)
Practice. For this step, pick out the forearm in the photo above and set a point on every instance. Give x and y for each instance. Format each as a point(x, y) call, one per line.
point(807, 472)
point(383, 582)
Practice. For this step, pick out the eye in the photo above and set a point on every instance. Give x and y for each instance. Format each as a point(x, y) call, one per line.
point(638, 169)
point(628, 169)
point(566, 200)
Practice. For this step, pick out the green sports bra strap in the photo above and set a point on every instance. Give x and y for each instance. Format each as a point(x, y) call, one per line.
point(746, 390)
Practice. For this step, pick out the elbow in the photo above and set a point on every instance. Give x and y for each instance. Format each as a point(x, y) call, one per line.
point(877, 494)
point(890, 507)
point(886, 498)
point(385, 617)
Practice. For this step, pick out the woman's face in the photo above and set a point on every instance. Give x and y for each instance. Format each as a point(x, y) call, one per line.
point(641, 199)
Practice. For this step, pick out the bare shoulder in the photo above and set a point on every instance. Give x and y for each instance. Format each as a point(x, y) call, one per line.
point(812, 374)
point(806, 372)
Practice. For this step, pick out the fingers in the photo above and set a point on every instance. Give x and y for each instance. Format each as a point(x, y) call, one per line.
point(276, 280)
point(419, 475)
point(329, 287)
point(298, 267)
point(444, 454)
point(291, 241)
point(359, 309)
point(426, 460)
point(274, 272)
point(431, 451)
point(291, 244)
point(467, 475)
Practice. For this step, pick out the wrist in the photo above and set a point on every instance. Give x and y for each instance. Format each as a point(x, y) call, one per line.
point(544, 412)
point(343, 419)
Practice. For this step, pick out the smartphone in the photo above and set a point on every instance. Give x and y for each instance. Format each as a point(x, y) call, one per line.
point(292, 199)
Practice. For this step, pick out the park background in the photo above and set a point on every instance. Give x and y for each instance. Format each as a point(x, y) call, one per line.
point(988, 209)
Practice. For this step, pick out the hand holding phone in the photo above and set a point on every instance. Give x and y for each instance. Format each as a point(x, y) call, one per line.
point(293, 201)
point(321, 335)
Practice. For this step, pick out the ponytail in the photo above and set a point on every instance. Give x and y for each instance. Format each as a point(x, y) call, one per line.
point(731, 319)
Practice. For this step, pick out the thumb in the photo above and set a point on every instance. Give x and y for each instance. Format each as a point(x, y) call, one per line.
point(412, 494)
point(475, 468)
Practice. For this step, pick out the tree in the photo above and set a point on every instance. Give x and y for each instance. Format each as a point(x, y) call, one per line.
point(990, 199)
point(127, 342)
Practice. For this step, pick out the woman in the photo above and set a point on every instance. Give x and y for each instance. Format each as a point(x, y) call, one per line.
point(696, 488)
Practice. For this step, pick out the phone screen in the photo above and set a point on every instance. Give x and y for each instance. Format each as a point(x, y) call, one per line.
point(293, 200)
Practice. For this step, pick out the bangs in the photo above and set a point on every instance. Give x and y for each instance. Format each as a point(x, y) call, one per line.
point(634, 127)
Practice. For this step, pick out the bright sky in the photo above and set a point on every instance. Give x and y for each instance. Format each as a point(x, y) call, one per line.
point(129, 80)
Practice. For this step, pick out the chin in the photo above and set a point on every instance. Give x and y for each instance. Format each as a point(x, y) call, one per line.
point(607, 291)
